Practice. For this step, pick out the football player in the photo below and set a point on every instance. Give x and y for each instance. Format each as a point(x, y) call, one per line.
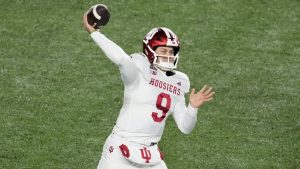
point(154, 90)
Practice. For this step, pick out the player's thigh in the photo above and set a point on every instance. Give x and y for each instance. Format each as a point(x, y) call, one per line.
point(105, 164)
point(118, 162)
point(111, 157)
point(161, 165)
point(113, 162)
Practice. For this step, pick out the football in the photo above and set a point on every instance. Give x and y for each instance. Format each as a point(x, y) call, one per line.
point(98, 16)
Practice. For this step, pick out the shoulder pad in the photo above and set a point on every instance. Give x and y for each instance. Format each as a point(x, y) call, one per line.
point(140, 60)
point(184, 80)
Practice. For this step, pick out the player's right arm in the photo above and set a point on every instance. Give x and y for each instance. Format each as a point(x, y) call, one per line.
point(114, 53)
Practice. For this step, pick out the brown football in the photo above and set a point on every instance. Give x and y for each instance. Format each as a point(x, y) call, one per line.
point(98, 16)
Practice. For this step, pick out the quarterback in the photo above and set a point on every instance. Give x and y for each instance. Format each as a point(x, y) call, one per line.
point(154, 90)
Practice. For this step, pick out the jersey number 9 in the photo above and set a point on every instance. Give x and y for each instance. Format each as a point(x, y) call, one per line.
point(164, 108)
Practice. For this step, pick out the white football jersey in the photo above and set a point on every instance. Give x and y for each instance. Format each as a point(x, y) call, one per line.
point(150, 96)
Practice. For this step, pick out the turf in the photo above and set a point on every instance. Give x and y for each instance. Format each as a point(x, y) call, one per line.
point(60, 96)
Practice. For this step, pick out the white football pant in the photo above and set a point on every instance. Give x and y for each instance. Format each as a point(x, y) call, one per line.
point(112, 158)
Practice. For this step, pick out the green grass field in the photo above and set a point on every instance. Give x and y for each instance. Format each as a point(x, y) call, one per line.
point(60, 96)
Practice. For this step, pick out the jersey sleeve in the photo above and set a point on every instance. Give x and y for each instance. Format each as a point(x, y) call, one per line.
point(185, 116)
point(117, 55)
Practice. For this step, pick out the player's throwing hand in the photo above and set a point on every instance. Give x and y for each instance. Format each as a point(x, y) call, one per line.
point(89, 28)
point(204, 95)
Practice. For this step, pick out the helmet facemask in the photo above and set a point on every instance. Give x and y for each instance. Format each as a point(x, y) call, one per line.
point(165, 62)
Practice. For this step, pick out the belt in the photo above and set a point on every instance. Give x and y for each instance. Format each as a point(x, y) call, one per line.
point(152, 144)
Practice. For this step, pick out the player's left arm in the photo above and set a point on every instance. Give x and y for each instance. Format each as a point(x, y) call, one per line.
point(186, 117)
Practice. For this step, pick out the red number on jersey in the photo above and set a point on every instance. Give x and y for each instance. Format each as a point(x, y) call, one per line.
point(164, 108)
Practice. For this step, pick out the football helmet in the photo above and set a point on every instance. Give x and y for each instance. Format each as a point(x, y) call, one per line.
point(161, 37)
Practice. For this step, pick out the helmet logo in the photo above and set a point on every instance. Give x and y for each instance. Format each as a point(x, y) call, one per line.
point(171, 37)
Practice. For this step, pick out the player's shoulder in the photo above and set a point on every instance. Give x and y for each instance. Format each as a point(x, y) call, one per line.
point(138, 57)
point(181, 75)
point(140, 60)
point(183, 80)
